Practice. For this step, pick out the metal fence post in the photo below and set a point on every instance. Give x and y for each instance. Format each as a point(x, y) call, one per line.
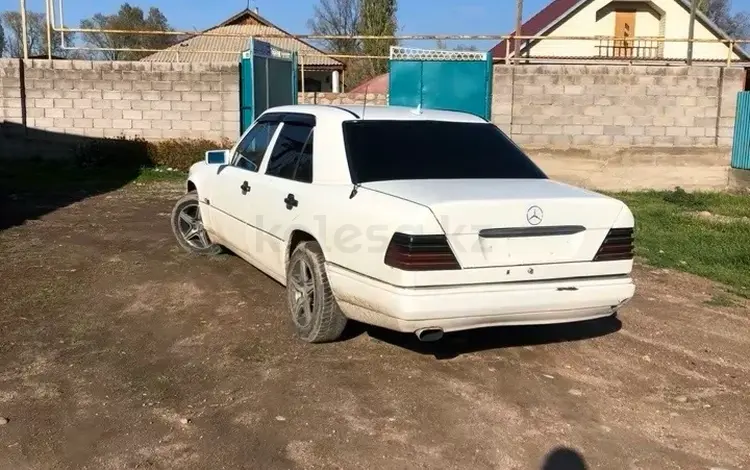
point(49, 29)
point(24, 32)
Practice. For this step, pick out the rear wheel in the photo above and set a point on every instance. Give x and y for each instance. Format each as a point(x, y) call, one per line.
point(187, 225)
point(315, 313)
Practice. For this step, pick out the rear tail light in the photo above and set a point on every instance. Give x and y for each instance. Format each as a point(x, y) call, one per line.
point(420, 253)
point(617, 245)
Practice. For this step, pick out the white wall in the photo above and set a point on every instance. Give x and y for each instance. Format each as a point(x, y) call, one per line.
point(677, 27)
point(584, 23)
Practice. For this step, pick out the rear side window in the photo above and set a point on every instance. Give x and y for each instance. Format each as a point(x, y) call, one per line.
point(305, 165)
point(291, 157)
point(381, 150)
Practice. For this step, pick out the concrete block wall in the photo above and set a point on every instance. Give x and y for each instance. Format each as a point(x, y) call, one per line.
point(616, 106)
point(111, 99)
point(554, 106)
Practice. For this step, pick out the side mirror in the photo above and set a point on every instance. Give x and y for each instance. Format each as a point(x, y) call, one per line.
point(217, 157)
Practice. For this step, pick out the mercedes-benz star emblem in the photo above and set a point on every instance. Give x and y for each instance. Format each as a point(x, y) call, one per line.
point(534, 215)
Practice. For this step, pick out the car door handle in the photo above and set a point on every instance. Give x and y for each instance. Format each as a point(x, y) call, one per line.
point(245, 188)
point(290, 201)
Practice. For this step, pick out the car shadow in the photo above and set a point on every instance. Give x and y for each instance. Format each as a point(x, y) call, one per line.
point(455, 344)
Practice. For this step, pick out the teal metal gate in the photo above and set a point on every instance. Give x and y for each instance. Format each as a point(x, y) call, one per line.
point(268, 78)
point(741, 144)
point(449, 80)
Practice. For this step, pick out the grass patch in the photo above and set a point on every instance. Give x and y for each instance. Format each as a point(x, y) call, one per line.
point(148, 175)
point(669, 235)
point(720, 299)
point(48, 176)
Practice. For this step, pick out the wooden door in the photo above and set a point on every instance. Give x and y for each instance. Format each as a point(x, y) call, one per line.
point(624, 32)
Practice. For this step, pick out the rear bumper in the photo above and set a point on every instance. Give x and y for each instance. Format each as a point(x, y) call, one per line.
point(473, 306)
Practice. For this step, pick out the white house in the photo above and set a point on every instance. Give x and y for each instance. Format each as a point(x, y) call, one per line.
point(620, 29)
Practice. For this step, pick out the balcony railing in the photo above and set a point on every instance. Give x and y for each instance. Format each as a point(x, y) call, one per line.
point(629, 48)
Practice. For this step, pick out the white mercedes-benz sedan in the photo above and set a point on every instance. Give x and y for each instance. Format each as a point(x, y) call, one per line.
point(419, 221)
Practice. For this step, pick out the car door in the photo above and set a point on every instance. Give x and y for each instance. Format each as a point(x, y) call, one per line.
point(233, 200)
point(284, 188)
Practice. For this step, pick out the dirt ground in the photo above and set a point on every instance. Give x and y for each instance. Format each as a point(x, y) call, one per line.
point(119, 351)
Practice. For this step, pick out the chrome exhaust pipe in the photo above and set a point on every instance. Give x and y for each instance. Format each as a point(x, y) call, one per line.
point(429, 335)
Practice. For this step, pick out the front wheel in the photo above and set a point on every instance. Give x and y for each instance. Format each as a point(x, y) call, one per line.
point(315, 313)
point(187, 225)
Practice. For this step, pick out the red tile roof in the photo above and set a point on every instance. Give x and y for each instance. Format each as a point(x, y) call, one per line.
point(377, 84)
point(537, 23)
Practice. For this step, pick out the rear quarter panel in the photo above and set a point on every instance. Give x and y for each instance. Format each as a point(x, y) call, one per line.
point(354, 232)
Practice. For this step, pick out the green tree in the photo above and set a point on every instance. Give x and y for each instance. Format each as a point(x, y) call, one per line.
point(378, 18)
point(356, 18)
point(36, 35)
point(129, 18)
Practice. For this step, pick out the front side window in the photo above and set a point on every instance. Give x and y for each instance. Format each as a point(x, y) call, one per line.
point(382, 150)
point(251, 149)
point(291, 157)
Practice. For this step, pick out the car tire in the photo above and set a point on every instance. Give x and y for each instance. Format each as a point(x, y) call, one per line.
point(318, 319)
point(187, 226)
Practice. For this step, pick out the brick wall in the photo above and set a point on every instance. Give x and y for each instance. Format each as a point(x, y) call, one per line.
point(579, 106)
point(604, 106)
point(110, 99)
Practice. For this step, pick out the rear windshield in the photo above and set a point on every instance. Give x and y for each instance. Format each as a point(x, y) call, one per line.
point(399, 150)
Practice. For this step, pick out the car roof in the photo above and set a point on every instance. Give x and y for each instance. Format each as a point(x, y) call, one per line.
point(376, 112)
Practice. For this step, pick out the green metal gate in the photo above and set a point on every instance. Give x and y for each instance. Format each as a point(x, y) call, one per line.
point(741, 144)
point(268, 78)
point(449, 80)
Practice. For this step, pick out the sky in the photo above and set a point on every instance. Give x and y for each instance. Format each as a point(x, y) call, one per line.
point(415, 16)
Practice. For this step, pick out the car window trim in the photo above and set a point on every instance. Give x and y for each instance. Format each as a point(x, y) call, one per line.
point(305, 122)
point(271, 144)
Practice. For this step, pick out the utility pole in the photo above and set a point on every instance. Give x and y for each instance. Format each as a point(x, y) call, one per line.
point(691, 30)
point(24, 30)
point(519, 23)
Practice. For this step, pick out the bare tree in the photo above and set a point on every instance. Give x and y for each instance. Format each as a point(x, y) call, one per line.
point(357, 17)
point(442, 45)
point(736, 25)
point(36, 35)
point(2, 39)
point(337, 18)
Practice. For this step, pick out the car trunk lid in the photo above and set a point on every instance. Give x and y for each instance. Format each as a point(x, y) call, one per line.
point(497, 223)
